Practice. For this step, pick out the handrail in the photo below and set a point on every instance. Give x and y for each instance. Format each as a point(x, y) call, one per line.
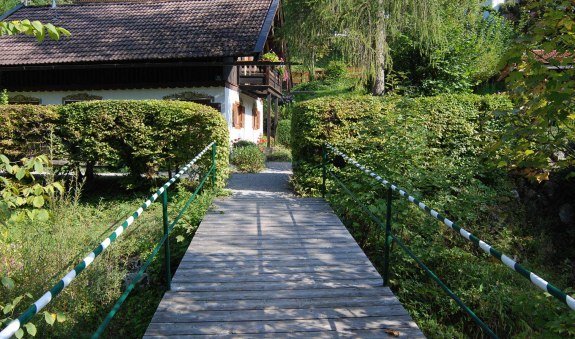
point(34, 309)
point(512, 264)
point(535, 279)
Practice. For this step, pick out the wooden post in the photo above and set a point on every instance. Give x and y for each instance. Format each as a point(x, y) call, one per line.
point(277, 109)
point(269, 127)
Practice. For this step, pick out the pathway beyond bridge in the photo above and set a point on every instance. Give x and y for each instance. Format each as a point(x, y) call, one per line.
point(265, 263)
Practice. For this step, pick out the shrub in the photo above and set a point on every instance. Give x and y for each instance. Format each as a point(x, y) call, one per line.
point(243, 143)
point(248, 159)
point(143, 135)
point(283, 133)
point(26, 130)
point(335, 70)
point(279, 153)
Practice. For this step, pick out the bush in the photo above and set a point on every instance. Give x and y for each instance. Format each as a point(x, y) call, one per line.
point(335, 70)
point(439, 149)
point(279, 153)
point(26, 130)
point(249, 159)
point(243, 143)
point(143, 135)
point(283, 133)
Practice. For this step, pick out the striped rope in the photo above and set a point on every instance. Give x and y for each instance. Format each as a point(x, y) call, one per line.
point(16, 324)
point(507, 261)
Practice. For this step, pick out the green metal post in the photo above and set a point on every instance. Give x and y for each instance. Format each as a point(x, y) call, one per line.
point(324, 169)
point(167, 244)
point(388, 238)
point(214, 167)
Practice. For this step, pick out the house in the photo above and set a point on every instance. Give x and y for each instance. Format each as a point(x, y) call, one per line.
point(193, 50)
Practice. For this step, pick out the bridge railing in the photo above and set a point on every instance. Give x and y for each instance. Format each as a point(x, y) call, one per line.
point(168, 226)
point(390, 237)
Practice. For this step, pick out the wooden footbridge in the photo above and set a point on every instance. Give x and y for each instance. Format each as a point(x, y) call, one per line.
point(264, 263)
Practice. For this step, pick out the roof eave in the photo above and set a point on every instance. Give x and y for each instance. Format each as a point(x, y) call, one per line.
point(10, 12)
point(267, 26)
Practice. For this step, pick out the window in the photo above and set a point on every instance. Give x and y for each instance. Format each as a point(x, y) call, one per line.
point(256, 117)
point(70, 99)
point(238, 115)
point(24, 100)
point(195, 97)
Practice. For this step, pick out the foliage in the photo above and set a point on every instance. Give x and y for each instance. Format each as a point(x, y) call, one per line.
point(283, 133)
point(279, 153)
point(41, 252)
point(27, 131)
point(248, 159)
point(541, 131)
point(33, 28)
point(22, 198)
point(336, 70)
point(143, 135)
point(438, 148)
point(243, 143)
point(4, 97)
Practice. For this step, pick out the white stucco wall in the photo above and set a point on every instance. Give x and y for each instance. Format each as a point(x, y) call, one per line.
point(224, 96)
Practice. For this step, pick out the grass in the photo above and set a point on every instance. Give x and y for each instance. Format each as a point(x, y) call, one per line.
point(279, 153)
point(37, 255)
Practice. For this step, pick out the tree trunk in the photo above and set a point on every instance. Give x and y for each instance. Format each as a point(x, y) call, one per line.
point(380, 37)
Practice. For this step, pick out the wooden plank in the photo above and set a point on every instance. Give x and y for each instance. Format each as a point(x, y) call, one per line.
point(281, 326)
point(258, 271)
point(277, 263)
point(173, 303)
point(303, 284)
point(280, 314)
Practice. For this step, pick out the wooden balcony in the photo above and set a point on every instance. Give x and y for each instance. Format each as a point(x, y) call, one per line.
point(261, 80)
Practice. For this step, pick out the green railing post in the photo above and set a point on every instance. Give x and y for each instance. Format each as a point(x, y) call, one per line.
point(324, 169)
point(167, 244)
point(214, 167)
point(388, 238)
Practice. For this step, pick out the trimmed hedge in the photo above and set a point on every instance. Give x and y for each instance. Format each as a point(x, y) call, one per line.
point(143, 135)
point(249, 159)
point(283, 133)
point(27, 130)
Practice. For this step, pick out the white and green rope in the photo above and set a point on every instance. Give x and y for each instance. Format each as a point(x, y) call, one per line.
point(34, 309)
point(506, 260)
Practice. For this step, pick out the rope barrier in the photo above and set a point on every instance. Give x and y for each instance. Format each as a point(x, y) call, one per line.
point(506, 260)
point(34, 309)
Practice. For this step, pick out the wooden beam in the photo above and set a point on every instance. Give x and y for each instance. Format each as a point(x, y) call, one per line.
point(269, 127)
point(277, 109)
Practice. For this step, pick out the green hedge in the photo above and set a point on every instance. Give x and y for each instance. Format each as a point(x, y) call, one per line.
point(143, 135)
point(26, 130)
point(283, 133)
point(441, 149)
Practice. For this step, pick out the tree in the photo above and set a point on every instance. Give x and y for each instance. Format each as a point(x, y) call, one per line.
point(541, 132)
point(32, 28)
point(361, 28)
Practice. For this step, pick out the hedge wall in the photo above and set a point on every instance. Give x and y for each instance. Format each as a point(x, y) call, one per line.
point(143, 135)
point(26, 130)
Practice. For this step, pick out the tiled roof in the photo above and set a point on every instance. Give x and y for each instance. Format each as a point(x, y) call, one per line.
point(143, 30)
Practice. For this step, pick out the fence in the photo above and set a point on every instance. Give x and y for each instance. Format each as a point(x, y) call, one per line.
point(390, 237)
point(34, 309)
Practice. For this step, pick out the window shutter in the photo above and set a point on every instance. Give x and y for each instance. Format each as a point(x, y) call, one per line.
point(242, 116)
point(256, 118)
point(235, 115)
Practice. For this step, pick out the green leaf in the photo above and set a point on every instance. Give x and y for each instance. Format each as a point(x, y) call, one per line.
point(31, 328)
point(59, 187)
point(38, 202)
point(8, 308)
point(21, 173)
point(43, 215)
point(4, 159)
point(52, 32)
point(38, 167)
point(529, 152)
point(61, 317)
point(180, 238)
point(8, 283)
point(50, 318)
point(19, 334)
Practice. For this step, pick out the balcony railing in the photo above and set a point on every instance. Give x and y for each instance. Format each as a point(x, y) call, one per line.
point(260, 76)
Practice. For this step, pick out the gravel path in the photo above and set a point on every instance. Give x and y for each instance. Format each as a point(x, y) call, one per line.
point(275, 179)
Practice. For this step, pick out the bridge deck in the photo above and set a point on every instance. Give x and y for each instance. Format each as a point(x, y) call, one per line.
point(267, 265)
